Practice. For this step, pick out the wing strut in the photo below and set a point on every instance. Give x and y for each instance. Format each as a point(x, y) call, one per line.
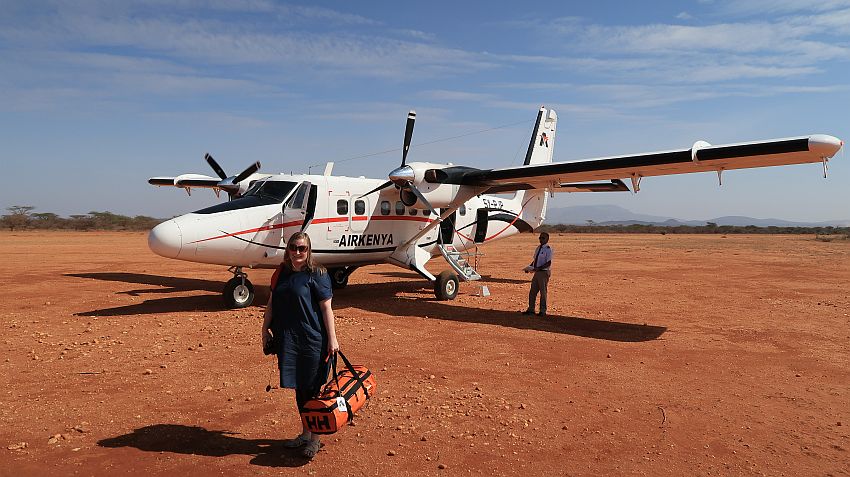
point(636, 182)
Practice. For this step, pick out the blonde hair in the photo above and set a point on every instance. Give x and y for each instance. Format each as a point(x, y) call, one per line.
point(310, 265)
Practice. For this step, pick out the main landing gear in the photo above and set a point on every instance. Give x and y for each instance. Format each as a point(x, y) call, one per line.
point(339, 276)
point(446, 285)
point(238, 291)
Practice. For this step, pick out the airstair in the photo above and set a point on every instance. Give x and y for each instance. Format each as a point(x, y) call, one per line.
point(459, 261)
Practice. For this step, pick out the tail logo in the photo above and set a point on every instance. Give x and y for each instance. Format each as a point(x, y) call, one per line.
point(544, 140)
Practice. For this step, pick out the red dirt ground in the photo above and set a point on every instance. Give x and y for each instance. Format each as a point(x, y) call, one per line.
point(664, 355)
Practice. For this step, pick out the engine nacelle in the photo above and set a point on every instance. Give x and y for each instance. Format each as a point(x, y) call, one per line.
point(428, 177)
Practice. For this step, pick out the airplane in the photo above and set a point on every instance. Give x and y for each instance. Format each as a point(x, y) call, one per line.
point(424, 209)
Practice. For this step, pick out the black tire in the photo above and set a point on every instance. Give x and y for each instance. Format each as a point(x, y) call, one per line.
point(339, 277)
point(446, 285)
point(236, 295)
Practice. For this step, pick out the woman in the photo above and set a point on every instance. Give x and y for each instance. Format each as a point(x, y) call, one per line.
point(299, 315)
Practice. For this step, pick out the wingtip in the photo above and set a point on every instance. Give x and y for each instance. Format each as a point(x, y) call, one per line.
point(825, 144)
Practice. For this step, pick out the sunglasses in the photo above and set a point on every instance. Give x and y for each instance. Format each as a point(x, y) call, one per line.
point(297, 248)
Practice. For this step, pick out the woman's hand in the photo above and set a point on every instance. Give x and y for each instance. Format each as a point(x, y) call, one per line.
point(266, 337)
point(333, 345)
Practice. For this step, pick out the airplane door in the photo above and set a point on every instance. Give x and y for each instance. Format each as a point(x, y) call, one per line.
point(481, 224)
point(338, 215)
point(295, 213)
point(447, 229)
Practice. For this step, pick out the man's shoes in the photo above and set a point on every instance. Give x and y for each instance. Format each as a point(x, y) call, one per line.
point(528, 312)
point(542, 313)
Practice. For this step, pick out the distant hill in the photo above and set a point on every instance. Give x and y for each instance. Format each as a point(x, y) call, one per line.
point(616, 215)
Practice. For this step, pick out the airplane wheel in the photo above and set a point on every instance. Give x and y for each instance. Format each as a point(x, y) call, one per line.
point(339, 277)
point(237, 295)
point(446, 285)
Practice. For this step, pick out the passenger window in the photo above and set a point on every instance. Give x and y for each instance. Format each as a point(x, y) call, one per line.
point(426, 212)
point(359, 207)
point(385, 208)
point(462, 209)
point(342, 207)
point(412, 211)
point(399, 208)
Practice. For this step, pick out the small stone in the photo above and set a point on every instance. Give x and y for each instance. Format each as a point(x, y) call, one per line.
point(609, 355)
point(18, 446)
point(522, 405)
point(208, 388)
point(163, 366)
point(423, 438)
point(391, 453)
point(441, 466)
point(431, 376)
point(147, 371)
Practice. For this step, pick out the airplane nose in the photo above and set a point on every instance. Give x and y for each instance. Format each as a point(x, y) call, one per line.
point(166, 239)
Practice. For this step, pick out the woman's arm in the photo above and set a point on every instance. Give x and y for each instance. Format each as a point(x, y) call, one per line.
point(328, 317)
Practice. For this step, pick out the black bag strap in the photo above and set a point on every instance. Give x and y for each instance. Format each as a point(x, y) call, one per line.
point(332, 377)
point(354, 373)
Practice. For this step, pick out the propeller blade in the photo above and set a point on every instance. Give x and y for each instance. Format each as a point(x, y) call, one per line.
point(408, 133)
point(247, 172)
point(218, 170)
point(376, 189)
point(422, 198)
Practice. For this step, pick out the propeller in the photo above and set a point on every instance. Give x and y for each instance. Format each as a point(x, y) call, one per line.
point(404, 175)
point(231, 183)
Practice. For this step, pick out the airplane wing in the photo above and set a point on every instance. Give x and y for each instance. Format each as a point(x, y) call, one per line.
point(702, 157)
point(186, 180)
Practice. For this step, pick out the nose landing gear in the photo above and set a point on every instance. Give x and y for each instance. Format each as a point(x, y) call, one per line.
point(339, 276)
point(238, 291)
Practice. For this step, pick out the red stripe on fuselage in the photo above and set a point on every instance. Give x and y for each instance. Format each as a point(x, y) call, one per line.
point(317, 221)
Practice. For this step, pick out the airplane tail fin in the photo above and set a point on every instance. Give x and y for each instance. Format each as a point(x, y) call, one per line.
point(540, 150)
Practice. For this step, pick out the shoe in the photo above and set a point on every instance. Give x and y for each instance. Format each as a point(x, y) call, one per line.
point(528, 312)
point(542, 313)
point(297, 442)
point(311, 448)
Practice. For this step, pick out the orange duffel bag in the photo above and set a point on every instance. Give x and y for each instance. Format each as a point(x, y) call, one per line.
point(344, 395)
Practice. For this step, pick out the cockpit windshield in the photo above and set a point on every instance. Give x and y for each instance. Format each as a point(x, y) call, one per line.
point(275, 190)
point(260, 193)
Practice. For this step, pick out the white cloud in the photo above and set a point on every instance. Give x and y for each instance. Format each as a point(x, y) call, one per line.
point(684, 16)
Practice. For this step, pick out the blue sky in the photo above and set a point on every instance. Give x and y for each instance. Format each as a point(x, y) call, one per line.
point(97, 96)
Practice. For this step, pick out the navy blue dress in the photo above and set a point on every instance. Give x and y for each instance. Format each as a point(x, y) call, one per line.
point(297, 319)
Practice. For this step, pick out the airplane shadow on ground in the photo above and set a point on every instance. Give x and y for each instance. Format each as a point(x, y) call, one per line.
point(166, 285)
point(182, 439)
point(485, 279)
point(363, 296)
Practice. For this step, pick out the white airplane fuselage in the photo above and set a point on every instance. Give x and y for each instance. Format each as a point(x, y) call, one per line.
point(345, 229)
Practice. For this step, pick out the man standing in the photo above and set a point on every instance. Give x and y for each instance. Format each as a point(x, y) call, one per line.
point(540, 266)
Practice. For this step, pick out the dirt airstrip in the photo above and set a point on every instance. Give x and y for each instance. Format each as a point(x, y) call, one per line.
point(663, 355)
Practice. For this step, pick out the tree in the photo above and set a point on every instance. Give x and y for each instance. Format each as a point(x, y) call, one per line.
point(46, 220)
point(18, 217)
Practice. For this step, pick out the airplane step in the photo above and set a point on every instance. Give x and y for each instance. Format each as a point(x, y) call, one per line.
point(459, 262)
